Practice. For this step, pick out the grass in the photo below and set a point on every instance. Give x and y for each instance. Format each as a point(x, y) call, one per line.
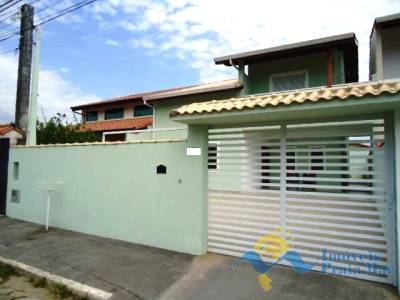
point(6, 272)
point(59, 291)
point(38, 282)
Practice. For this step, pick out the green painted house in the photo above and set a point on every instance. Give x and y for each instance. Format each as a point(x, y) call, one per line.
point(294, 145)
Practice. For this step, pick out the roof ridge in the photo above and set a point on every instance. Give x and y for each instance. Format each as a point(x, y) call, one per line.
point(154, 92)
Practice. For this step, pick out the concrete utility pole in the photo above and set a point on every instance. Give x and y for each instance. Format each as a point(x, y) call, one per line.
point(24, 67)
point(32, 117)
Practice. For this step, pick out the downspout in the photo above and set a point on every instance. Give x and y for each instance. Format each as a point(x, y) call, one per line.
point(154, 116)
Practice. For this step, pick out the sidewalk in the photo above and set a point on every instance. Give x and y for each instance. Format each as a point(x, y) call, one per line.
point(127, 270)
point(131, 271)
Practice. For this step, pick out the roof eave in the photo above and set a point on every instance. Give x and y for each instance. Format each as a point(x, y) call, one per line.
point(237, 85)
point(289, 49)
point(293, 113)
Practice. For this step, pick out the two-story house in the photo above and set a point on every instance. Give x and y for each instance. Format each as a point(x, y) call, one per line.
point(321, 62)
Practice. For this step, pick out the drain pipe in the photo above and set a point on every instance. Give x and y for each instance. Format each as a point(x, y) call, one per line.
point(154, 116)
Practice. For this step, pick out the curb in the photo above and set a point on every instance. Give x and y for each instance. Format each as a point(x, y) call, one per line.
point(76, 287)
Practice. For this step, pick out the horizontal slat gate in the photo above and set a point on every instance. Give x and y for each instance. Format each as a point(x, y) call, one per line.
point(324, 185)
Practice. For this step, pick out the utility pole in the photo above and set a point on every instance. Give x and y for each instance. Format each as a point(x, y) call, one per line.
point(24, 67)
point(32, 116)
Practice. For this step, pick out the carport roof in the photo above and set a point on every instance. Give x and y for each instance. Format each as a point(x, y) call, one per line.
point(272, 100)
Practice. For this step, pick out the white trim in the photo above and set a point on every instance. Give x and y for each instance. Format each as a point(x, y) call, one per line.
point(283, 74)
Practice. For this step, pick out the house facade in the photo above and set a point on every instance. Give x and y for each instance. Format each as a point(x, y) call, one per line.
point(294, 144)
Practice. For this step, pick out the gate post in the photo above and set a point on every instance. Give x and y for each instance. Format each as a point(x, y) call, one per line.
point(4, 154)
point(198, 138)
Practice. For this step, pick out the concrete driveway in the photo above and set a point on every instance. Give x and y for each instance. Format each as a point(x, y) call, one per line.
point(131, 271)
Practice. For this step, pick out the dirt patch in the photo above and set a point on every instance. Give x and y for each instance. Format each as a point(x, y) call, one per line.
point(34, 234)
point(22, 287)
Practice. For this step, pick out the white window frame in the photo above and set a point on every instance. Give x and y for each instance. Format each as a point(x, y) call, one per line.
point(214, 144)
point(283, 74)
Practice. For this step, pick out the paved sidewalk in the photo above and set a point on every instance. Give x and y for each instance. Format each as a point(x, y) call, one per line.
point(127, 270)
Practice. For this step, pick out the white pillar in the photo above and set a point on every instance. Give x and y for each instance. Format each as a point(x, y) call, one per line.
point(397, 185)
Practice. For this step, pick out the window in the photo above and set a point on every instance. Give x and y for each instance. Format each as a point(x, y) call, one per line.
point(212, 156)
point(92, 116)
point(288, 81)
point(142, 110)
point(115, 113)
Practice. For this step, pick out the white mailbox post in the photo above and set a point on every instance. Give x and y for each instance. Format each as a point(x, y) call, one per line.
point(49, 187)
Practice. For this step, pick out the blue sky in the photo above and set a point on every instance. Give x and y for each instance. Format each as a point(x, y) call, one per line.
point(119, 47)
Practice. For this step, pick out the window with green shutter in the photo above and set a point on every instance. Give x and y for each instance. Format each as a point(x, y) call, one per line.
point(114, 113)
point(142, 110)
point(92, 116)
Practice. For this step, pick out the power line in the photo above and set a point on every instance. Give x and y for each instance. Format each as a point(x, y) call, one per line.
point(6, 15)
point(48, 6)
point(5, 3)
point(65, 11)
point(9, 6)
point(49, 18)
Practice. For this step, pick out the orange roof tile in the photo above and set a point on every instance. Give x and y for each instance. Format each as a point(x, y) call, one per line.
point(122, 124)
point(312, 95)
point(169, 93)
point(6, 128)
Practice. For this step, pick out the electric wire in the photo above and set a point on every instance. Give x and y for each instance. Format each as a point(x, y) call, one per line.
point(49, 18)
point(2, 8)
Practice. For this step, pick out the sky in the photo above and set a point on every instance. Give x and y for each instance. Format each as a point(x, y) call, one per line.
point(120, 47)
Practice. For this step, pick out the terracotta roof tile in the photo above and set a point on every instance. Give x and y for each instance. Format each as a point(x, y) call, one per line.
point(6, 128)
point(122, 124)
point(271, 100)
point(175, 92)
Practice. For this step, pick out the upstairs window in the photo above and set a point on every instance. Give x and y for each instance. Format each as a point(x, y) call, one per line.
point(288, 81)
point(142, 110)
point(115, 113)
point(92, 116)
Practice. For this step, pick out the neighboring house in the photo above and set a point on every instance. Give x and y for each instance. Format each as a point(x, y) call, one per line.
point(295, 143)
point(13, 133)
point(134, 112)
point(384, 48)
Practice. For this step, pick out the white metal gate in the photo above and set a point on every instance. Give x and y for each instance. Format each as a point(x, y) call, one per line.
point(327, 186)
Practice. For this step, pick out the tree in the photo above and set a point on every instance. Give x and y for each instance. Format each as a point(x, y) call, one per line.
point(59, 131)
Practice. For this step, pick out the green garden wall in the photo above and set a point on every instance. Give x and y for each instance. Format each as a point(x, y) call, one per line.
point(114, 191)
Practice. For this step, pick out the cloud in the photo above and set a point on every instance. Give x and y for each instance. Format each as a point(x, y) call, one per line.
point(142, 43)
point(113, 43)
point(196, 31)
point(56, 94)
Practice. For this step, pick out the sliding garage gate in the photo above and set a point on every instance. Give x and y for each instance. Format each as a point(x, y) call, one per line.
point(324, 186)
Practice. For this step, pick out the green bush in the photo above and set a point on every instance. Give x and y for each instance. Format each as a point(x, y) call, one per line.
point(59, 131)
